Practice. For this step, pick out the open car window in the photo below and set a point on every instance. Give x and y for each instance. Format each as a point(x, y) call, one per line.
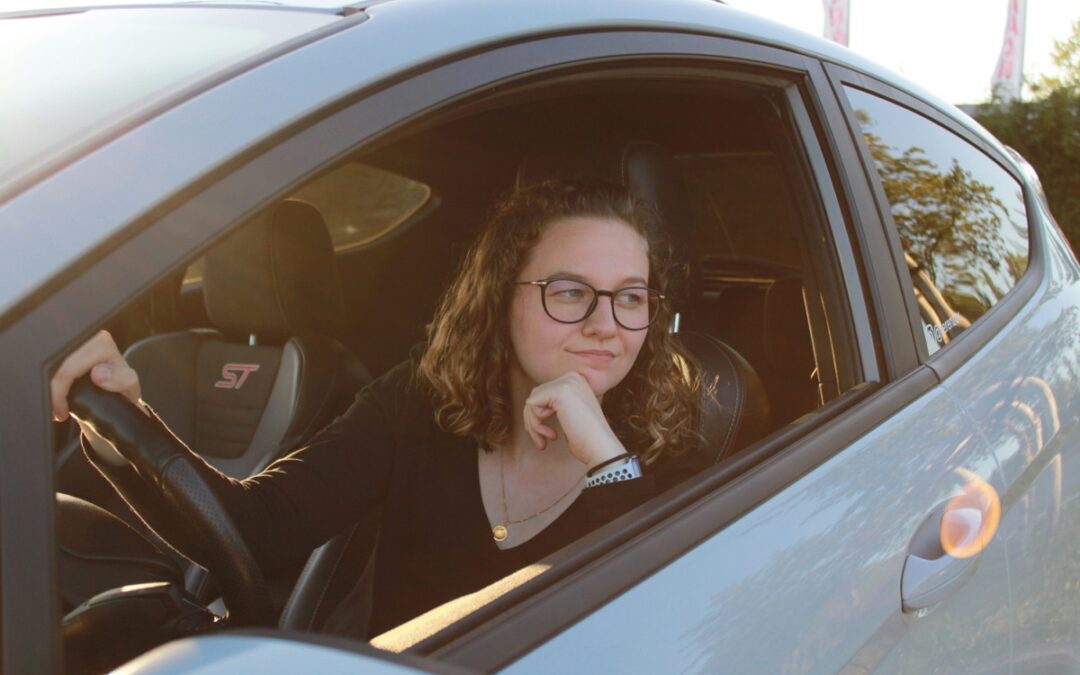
point(770, 288)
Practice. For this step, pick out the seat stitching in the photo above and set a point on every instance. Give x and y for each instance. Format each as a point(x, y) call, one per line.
point(336, 376)
point(333, 571)
point(271, 235)
point(735, 413)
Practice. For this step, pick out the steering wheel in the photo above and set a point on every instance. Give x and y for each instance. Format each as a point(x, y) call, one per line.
point(158, 454)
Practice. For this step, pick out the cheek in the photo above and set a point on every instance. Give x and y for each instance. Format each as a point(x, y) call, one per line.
point(534, 337)
point(634, 342)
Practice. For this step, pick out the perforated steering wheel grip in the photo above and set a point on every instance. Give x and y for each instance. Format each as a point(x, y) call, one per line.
point(148, 444)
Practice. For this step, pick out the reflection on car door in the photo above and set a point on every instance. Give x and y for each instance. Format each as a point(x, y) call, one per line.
point(997, 255)
point(1023, 389)
point(810, 580)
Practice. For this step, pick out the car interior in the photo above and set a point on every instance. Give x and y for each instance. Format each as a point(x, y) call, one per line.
point(333, 282)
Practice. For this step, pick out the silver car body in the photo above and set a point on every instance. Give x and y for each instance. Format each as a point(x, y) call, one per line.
point(807, 580)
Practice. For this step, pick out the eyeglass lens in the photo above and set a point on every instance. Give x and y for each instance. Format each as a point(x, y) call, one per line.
point(570, 301)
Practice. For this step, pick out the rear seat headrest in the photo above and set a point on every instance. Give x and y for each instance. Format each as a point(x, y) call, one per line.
point(275, 277)
point(645, 168)
point(786, 334)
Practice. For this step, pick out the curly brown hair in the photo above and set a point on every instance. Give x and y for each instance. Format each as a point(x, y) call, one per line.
point(466, 362)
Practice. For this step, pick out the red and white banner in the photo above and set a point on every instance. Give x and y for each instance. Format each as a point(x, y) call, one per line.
point(1009, 73)
point(837, 17)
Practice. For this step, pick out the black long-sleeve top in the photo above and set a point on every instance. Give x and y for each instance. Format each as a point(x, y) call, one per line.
point(386, 450)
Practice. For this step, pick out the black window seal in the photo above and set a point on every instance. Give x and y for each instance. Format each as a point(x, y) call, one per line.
point(817, 189)
point(897, 350)
point(176, 230)
point(953, 355)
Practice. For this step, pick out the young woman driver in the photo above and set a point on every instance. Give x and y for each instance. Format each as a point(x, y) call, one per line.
point(548, 399)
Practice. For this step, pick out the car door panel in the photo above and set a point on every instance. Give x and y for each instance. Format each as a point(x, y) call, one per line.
point(1023, 388)
point(809, 581)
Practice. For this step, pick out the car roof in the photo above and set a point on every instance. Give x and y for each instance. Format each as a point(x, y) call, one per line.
point(55, 6)
point(478, 22)
point(415, 33)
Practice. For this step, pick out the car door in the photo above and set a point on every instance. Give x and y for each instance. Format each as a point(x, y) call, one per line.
point(826, 555)
point(810, 532)
point(1014, 371)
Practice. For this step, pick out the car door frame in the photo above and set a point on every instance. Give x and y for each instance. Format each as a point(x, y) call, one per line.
point(950, 357)
point(164, 236)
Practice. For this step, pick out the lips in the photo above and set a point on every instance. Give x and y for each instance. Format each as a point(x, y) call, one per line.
point(595, 355)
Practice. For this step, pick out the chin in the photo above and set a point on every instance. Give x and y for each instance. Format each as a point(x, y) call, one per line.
point(601, 382)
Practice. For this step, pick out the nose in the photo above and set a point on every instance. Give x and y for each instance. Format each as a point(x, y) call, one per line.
point(601, 323)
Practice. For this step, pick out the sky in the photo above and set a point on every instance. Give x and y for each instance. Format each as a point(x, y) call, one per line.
point(949, 47)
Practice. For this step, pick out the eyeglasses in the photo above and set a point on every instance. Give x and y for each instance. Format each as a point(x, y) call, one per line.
point(570, 301)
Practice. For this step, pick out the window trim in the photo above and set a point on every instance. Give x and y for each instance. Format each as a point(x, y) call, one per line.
point(896, 349)
point(821, 178)
point(160, 243)
point(953, 355)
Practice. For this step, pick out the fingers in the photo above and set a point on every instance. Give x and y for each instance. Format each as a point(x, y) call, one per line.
point(539, 432)
point(546, 400)
point(102, 359)
point(115, 376)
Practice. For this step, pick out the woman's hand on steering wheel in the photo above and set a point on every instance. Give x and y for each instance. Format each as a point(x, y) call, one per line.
point(110, 403)
point(108, 370)
point(101, 358)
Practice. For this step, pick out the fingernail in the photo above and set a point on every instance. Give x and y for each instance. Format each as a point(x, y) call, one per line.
point(102, 371)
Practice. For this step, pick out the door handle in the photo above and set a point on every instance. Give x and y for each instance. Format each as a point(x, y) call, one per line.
point(928, 581)
point(946, 548)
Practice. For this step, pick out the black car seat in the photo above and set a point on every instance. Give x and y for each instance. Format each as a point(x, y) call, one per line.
point(735, 410)
point(768, 325)
point(272, 373)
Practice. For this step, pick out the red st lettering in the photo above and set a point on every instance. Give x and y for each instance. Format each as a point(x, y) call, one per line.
point(235, 374)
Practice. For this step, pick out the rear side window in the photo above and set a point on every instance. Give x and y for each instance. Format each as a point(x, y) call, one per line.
point(359, 203)
point(959, 214)
point(747, 197)
point(362, 203)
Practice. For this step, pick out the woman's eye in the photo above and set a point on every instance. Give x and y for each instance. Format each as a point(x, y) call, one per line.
point(567, 291)
point(631, 298)
point(570, 294)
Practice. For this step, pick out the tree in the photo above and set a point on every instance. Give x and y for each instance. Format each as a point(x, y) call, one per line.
point(950, 226)
point(1046, 131)
point(1066, 57)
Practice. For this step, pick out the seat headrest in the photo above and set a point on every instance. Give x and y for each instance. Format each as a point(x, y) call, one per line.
point(648, 170)
point(786, 332)
point(275, 277)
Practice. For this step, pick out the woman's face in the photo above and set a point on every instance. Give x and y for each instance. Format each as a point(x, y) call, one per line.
point(607, 254)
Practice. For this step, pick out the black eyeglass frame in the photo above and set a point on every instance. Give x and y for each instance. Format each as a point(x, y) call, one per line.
point(543, 284)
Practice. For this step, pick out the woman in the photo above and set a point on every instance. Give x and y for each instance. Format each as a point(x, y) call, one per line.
point(503, 439)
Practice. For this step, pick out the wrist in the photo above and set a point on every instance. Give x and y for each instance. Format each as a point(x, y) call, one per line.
point(617, 470)
point(608, 451)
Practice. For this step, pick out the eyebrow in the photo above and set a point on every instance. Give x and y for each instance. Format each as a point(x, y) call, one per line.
point(628, 281)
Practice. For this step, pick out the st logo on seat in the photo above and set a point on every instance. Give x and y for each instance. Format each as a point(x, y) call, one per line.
point(235, 374)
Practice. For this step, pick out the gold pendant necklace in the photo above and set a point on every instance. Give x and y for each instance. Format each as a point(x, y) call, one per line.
point(502, 531)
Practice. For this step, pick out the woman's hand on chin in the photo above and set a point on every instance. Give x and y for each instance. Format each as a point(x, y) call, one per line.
point(572, 401)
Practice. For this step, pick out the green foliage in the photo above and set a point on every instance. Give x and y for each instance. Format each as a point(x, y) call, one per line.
point(1066, 58)
point(950, 226)
point(1046, 131)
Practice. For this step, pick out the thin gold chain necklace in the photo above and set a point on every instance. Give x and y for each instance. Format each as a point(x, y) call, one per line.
point(502, 531)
